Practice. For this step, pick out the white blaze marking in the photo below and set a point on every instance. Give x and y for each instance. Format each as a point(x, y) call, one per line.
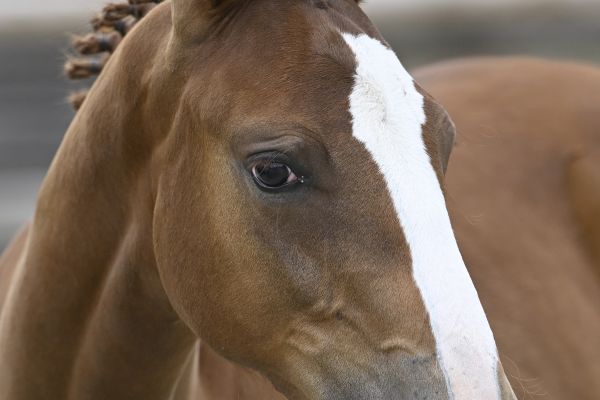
point(388, 116)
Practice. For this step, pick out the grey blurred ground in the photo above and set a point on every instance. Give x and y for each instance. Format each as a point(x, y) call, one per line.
point(34, 115)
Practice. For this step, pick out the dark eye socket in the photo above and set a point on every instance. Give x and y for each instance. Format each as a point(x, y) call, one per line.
point(273, 175)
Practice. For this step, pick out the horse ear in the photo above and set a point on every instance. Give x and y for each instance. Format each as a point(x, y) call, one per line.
point(191, 18)
point(448, 137)
point(443, 132)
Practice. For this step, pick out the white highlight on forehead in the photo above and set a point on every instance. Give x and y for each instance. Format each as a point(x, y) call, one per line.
point(388, 116)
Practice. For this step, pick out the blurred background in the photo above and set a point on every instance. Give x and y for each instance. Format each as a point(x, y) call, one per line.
point(34, 36)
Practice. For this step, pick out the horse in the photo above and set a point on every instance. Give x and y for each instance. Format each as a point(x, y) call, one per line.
point(249, 203)
point(253, 180)
point(523, 189)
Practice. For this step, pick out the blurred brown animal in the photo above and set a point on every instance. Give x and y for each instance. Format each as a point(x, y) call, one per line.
point(524, 190)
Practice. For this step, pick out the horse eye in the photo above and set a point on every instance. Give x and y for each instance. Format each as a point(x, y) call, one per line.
point(273, 175)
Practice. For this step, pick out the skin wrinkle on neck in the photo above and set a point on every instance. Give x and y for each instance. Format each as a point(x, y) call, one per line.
point(388, 115)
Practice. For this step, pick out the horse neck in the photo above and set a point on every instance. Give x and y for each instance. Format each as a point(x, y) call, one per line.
point(86, 312)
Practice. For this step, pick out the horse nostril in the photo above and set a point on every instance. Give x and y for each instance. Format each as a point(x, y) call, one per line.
point(339, 316)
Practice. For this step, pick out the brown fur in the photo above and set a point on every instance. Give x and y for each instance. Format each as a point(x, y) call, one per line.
point(524, 189)
point(583, 180)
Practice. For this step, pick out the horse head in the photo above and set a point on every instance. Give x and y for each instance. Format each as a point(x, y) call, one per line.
point(299, 225)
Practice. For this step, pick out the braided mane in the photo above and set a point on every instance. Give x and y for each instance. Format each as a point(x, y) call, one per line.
point(92, 51)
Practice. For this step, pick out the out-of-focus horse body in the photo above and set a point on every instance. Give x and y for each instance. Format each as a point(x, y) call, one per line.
point(523, 187)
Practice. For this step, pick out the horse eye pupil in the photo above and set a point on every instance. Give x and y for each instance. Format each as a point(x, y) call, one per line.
point(273, 174)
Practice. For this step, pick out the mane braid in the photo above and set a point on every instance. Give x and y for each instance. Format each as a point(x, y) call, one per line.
point(92, 51)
